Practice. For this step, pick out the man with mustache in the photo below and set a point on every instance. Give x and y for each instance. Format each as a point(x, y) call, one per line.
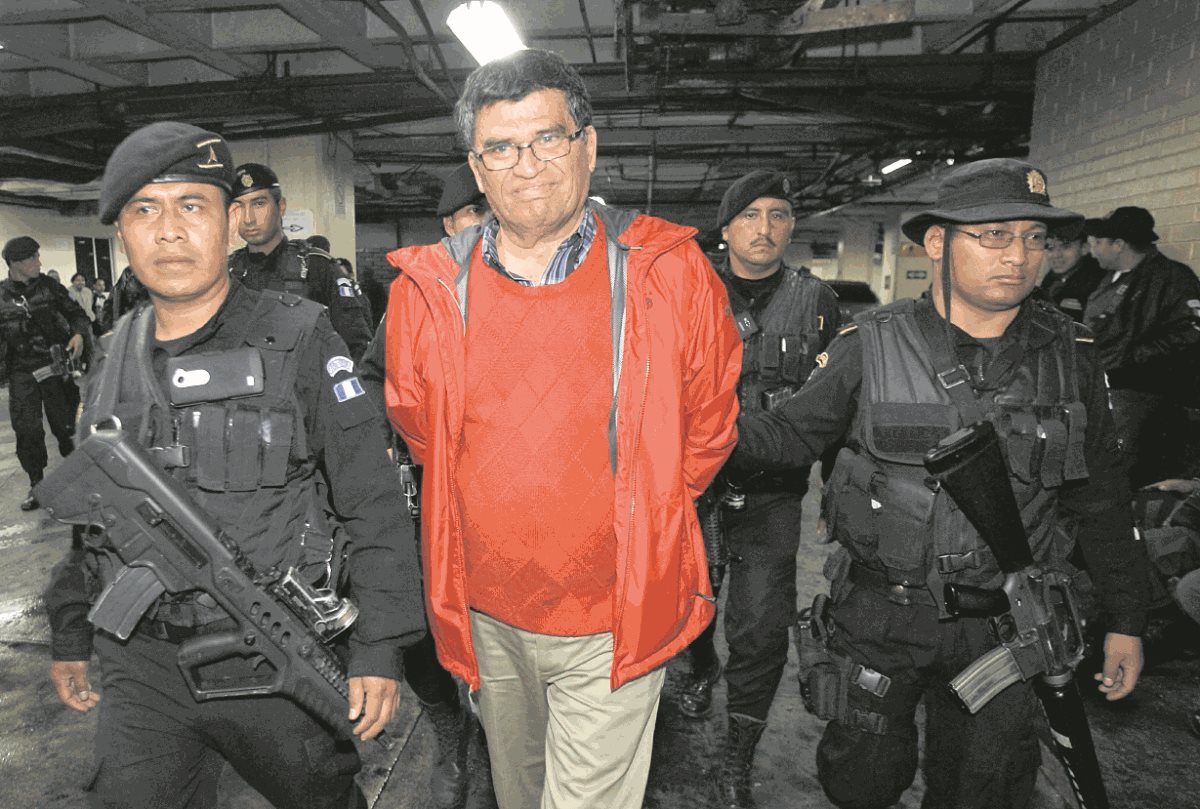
point(785, 317)
point(896, 382)
point(271, 261)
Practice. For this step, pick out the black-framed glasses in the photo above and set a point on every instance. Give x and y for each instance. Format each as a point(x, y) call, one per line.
point(996, 239)
point(546, 146)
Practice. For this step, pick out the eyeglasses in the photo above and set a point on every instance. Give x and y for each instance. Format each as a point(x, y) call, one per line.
point(547, 146)
point(995, 239)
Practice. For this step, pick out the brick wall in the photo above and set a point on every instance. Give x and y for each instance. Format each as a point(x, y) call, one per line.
point(1116, 120)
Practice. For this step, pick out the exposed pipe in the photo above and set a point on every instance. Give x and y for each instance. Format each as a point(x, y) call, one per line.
point(587, 26)
point(433, 40)
point(410, 52)
point(650, 181)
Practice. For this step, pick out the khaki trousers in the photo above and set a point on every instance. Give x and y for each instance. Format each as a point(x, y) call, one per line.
point(558, 735)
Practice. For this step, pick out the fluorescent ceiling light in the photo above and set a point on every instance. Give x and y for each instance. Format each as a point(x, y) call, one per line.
point(895, 165)
point(485, 30)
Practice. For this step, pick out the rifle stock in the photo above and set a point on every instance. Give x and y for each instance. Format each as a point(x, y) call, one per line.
point(168, 544)
point(1039, 629)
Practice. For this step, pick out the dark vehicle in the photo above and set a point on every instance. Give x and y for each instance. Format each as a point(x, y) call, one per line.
point(853, 297)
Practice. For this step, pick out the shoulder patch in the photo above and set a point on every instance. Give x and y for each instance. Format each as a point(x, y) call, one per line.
point(822, 359)
point(348, 389)
point(338, 364)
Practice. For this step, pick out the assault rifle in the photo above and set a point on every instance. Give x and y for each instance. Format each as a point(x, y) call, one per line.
point(168, 544)
point(1034, 611)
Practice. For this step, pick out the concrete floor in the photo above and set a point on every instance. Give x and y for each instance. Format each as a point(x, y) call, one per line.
point(1148, 755)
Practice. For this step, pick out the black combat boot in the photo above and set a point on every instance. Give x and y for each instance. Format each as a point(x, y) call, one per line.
point(733, 773)
point(695, 695)
point(448, 781)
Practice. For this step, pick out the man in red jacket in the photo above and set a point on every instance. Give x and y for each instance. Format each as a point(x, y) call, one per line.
point(566, 375)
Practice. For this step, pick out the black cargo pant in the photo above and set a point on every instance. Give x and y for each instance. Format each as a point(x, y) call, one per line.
point(26, 399)
point(761, 603)
point(157, 747)
point(986, 761)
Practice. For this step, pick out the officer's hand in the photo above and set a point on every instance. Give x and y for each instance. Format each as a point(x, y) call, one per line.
point(70, 680)
point(1177, 485)
point(75, 346)
point(1122, 665)
point(373, 701)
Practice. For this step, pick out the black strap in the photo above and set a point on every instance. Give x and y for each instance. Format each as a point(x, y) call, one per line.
point(951, 373)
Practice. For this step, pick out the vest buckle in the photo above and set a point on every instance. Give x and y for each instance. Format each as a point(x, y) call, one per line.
point(955, 376)
point(175, 456)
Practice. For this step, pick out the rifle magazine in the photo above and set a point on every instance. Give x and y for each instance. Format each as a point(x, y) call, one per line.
point(979, 683)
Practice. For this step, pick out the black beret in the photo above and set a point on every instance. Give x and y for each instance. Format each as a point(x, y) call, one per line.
point(253, 177)
point(999, 189)
point(458, 191)
point(165, 152)
point(1129, 222)
point(758, 183)
point(19, 249)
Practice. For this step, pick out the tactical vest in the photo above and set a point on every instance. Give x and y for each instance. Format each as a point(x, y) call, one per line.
point(244, 460)
point(883, 506)
point(30, 322)
point(780, 352)
point(290, 272)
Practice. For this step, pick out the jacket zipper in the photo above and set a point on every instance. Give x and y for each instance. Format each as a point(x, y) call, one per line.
point(637, 440)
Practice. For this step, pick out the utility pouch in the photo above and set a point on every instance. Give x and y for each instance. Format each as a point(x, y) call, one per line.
point(827, 677)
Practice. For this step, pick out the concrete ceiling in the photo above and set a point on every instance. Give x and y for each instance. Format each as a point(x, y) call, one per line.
point(688, 95)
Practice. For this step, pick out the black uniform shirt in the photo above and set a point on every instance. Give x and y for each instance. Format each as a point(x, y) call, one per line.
point(343, 436)
point(49, 312)
point(327, 284)
point(823, 411)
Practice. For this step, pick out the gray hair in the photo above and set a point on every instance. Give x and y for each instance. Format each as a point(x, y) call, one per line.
point(512, 79)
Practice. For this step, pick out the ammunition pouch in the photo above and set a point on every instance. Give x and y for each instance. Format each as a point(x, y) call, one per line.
point(826, 677)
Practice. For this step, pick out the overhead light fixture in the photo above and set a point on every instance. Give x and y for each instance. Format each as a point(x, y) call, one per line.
point(895, 165)
point(485, 30)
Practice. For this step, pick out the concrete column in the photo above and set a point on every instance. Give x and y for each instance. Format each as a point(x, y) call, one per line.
point(317, 176)
point(856, 250)
point(885, 288)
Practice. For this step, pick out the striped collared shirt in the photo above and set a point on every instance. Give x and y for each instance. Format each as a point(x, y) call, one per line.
point(566, 259)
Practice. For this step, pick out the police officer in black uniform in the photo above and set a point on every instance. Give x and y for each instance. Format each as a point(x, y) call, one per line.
point(786, 317)
point(271, 261)
point(895, 383)
point(40, 326)
point(1072, 273)
point(253, 463)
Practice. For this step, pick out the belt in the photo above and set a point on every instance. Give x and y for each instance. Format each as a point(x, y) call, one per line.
point(898, 593)
point(174, 633)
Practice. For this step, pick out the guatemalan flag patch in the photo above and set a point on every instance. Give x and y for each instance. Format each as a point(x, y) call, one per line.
point(348, 389)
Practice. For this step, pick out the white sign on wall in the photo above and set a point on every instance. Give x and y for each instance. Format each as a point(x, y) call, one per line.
point(298, 224)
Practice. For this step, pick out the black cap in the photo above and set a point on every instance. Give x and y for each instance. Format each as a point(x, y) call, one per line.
point(253, 177)
point(996, 190)
point(165, 152)
point(318, 241)
point(19, 249)
point(1067, 232)
point(458, 191)
point(1131, 223)
point(758, 183)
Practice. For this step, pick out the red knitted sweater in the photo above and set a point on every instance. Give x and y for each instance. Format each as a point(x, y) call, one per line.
point(534, 479)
